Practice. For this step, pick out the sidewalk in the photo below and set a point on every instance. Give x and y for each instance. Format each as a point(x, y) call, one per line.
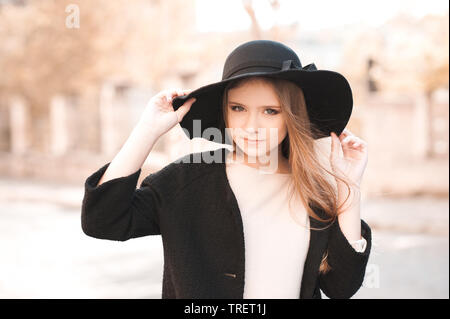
point(45, 254)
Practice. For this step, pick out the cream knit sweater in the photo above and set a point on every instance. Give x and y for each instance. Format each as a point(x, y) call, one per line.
point(275, 244)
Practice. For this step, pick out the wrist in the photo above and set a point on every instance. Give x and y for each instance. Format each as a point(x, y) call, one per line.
point(353, 191)
point(351, 204)
point(148, 128)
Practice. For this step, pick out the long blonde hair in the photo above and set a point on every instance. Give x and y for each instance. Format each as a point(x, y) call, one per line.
point(309, 176)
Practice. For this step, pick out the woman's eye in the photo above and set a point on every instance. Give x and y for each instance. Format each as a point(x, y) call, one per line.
point(274, 112)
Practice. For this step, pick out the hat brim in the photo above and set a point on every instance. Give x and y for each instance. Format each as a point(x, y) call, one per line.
point(328, 97)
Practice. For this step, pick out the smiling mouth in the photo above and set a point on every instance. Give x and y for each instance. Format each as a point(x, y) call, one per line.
point(249, 140)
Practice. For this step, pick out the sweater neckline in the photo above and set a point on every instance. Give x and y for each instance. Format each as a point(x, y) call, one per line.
point(249, 168)
point(222, 168)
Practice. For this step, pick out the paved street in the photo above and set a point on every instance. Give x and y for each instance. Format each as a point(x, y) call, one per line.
point(45, 254)
point(406, 265)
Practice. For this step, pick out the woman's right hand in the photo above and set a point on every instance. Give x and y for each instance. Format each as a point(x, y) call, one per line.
point(159, 115)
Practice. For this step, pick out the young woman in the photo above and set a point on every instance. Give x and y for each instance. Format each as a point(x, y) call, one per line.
point(233, 223)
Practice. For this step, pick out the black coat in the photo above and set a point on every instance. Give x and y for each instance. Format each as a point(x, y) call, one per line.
point(190, 203)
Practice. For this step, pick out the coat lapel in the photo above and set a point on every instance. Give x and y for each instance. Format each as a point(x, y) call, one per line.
point(317, 245)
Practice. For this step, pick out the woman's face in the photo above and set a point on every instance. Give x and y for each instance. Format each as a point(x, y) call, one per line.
point(255, 118)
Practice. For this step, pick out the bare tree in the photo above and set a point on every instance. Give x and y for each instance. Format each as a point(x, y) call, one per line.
point(256, 29)
point(40, 56)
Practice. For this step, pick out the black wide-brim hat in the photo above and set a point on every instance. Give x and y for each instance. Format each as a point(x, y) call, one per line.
point(328, 95)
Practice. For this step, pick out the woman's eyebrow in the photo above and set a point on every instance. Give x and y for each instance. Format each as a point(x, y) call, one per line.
point(273, 106)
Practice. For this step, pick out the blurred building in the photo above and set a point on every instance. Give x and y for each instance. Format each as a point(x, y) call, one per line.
point(72, 96)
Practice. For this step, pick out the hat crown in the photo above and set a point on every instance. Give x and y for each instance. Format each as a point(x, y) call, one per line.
point(267, 54)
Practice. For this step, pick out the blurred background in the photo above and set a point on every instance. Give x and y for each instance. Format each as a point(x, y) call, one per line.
point(76, 75)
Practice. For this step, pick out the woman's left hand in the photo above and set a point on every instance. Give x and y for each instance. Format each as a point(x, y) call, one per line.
point(355, 155)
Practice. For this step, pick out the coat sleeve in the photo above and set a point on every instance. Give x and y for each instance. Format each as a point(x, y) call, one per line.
point(348, 266)
point(116, 210)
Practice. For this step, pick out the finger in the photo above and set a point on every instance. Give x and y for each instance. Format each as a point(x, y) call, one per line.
point(167, 92)
point(346, 131)
point(180, 92)
point(169, 98)
point(350, 139)
point(183, 109)
point(345, 136)
point(168, 95)
point(174, 92)
point(184, 92)
point(360, 144)
point(335, 144)
point(171, 93)
point(348, 144)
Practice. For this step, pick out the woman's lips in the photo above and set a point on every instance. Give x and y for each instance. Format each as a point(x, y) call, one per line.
point(251, 140)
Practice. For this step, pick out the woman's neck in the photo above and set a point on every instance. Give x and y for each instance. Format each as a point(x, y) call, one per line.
point(283, 166)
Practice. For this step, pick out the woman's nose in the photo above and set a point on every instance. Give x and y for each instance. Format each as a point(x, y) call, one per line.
point(251, 124)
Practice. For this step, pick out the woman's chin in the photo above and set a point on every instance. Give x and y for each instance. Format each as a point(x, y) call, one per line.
point(253, 150)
